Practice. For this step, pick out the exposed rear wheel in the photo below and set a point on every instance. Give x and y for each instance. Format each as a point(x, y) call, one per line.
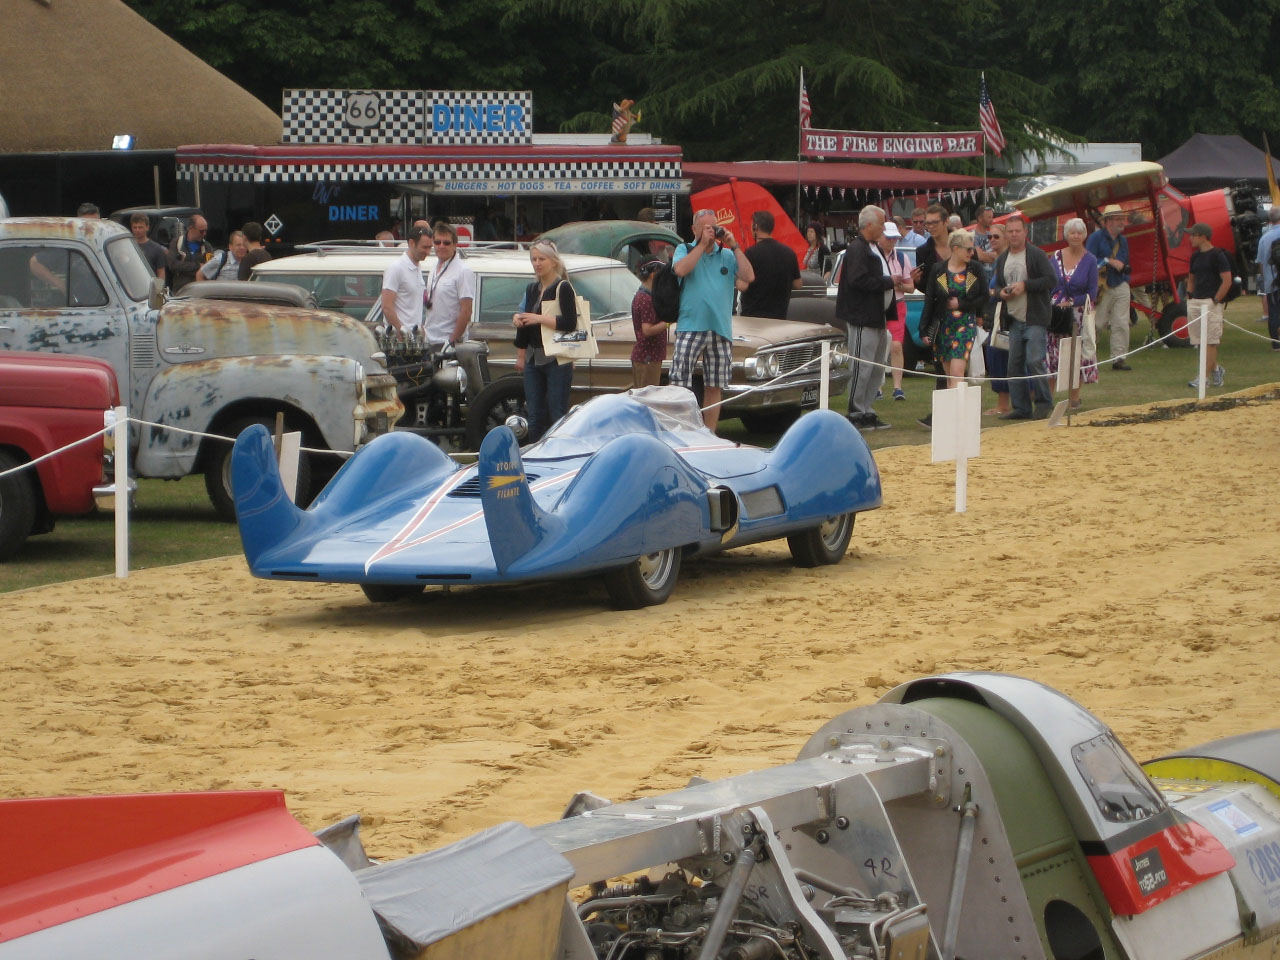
point(391, 592)
point(824, 544)
point(217, 474)
point(645, 581)
point(17, 506)
point(500, 403)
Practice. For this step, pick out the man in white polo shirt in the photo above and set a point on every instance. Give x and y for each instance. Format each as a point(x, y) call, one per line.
point(451, 290)
point(403, 288)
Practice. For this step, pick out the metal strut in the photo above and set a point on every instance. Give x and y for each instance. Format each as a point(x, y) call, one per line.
point(964, 850)
point(733, 890)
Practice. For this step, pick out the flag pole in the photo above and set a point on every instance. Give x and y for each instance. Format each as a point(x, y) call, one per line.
point(984, 146)
point(799, 149)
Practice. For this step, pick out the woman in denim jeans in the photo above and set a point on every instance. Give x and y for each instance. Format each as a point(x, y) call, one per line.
point(546, 380)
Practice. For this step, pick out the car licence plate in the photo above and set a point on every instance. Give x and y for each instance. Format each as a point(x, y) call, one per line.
point(810, 396)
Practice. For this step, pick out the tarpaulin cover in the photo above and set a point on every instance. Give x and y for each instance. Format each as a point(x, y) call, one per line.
point(1206, 162)
point(736, 201)
point(423, 899)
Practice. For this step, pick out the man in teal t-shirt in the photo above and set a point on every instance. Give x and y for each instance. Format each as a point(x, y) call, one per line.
point(710, 270)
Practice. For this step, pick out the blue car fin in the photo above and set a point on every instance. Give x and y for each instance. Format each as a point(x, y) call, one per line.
point(265, 515)
point(516, 524)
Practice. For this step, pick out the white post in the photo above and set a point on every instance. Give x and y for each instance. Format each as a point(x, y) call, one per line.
point(289, 454)
point(957, 433)
point(1204, 352)
point(962, 458)
point(824, 385)
point(120, 480)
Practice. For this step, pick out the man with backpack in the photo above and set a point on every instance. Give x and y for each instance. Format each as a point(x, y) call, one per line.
point(188, 253)
point(225, 264)
point(1111, 249)
point(1208, 287)
point(1269, 259)
point(710, 269)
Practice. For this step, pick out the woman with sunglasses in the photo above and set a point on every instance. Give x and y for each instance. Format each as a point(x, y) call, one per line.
point(954, 295)
point(546, 381)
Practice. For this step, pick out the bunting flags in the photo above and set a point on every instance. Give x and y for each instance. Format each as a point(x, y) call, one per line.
point(987, 119)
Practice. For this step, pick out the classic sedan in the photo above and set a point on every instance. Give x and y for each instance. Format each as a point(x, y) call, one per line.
point(764, 350)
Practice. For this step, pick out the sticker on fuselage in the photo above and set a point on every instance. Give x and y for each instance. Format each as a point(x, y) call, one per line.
point(1149, 871)
point(1233, 817)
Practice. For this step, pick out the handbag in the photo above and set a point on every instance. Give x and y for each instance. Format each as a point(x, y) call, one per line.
point(568, 346)
point(999, 338)
point(976, 369)
point(1062, 320)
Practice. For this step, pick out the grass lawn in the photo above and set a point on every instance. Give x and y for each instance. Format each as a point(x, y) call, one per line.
point(174, 522)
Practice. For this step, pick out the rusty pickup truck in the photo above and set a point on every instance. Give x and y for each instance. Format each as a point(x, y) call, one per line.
point(76, 286)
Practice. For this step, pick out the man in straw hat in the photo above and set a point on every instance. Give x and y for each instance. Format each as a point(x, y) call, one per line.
point(1112, 250)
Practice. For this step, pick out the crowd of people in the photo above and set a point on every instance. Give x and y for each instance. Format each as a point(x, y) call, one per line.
point(985, 287)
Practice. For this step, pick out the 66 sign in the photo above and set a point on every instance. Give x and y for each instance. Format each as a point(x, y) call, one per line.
point(364, 110)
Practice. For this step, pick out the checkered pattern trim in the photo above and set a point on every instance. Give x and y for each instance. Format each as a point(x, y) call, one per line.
point(303, 172)
point(353, 116)
point(458, 116)
point(715, 352)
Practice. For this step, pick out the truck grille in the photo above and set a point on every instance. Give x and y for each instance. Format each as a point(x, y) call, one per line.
point(792, 357)
point(142, 350)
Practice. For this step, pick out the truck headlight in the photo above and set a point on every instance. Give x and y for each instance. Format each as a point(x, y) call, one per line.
point(839, 355)
point(771, 366)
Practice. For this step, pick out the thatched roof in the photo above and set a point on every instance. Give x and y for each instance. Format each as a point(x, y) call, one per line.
point(77, 72)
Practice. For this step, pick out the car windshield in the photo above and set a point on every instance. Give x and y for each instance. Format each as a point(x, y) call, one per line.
point(350, 293)
point(135, 276)
point(609, 290)
point(1119, 787)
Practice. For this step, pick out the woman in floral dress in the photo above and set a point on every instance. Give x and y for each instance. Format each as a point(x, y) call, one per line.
point(1077, 272)
point(954, 295)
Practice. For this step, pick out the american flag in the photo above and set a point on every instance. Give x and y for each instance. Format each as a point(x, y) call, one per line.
point(987, 119)
point(806, 114)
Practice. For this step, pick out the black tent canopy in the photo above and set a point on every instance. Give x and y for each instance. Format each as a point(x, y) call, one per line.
point(1206, 162)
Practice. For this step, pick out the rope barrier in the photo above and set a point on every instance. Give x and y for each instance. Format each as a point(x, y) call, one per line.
point(151, 425)
point(54, 453)
point(763, 386)
point(1260, 336)
point(978, 380)
point(747, 393)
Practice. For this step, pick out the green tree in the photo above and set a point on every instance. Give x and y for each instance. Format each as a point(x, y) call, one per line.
point(1152, 72)
point(721, 77)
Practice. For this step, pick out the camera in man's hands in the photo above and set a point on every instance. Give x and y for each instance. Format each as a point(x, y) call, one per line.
point(721, 233)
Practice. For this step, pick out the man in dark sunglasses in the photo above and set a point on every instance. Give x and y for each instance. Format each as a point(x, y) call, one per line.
point(917, 234)
point(451, 290)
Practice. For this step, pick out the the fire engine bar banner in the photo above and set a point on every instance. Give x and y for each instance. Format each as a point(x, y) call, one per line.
point(867, 145)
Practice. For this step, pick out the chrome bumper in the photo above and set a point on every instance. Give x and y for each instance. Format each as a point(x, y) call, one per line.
point(104, 496)
point(787, 393)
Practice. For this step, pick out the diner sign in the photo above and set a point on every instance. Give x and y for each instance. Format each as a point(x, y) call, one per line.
point(866, 145)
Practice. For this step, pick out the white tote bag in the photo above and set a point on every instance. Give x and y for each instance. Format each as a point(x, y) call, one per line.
point(977, 368)
point(580, 343)
point(999, 336)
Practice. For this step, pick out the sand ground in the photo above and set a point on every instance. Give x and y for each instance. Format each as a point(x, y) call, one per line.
point(1133, 566)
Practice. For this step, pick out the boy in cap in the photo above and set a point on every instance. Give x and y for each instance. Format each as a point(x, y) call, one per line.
point(1207, 287)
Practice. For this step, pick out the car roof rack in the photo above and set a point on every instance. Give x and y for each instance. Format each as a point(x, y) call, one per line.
point(376, 246)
